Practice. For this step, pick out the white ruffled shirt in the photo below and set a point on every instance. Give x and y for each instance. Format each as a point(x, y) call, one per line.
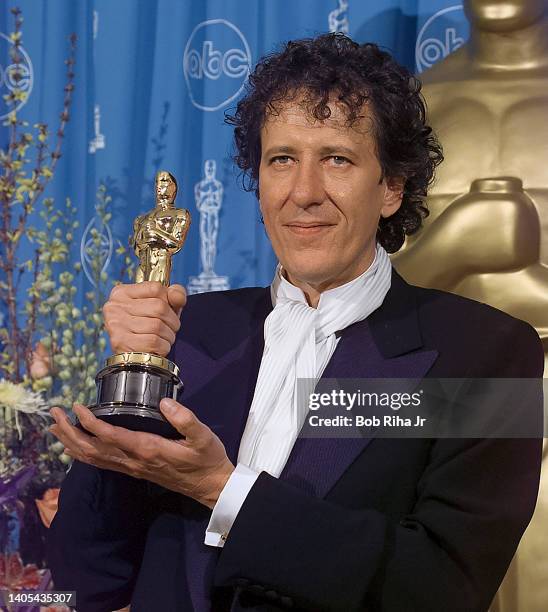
point(299, 342)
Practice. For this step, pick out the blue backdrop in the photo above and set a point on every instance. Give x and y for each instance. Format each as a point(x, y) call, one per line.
point(153, 80)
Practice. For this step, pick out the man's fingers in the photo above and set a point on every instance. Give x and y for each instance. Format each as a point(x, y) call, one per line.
point(156, 308)
point(73, 438)
point(153, 308)
point(146, 289)
point(121, 304)
point(134, 443)
point(151, 327)
point(176, 296)
point(183, 419)
point(104, 431)
point(140, 317)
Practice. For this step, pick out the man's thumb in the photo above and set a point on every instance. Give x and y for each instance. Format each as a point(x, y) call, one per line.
point(176, 296)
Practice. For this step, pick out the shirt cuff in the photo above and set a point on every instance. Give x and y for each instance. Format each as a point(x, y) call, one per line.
point(229, 503)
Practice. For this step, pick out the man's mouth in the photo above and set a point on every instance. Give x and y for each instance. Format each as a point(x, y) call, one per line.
point(309, 228)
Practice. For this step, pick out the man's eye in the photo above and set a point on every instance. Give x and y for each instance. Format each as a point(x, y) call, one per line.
point(281, 160)
point(339, 160)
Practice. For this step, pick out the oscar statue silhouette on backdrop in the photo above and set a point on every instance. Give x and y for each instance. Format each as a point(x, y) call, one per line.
point(487, 235)
point(208, 195)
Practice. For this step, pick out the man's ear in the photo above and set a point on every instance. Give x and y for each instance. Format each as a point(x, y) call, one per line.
point(393, 195)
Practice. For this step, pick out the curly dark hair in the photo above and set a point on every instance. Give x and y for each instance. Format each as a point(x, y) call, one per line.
point(357, 74)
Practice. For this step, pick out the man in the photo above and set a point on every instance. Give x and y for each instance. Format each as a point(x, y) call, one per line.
point(247, 516)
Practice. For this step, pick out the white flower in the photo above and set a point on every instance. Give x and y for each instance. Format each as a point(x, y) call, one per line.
point(18, 398)
point(15, 399)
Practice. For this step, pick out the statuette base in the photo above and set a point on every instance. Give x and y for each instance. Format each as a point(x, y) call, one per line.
point(129, 390)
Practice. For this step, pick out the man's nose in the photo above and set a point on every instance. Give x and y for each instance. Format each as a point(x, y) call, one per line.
point(308, 184)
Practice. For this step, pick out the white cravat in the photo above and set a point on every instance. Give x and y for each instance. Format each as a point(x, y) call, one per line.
point(299, 342)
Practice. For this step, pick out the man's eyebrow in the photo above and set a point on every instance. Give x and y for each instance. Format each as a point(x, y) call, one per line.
point(337, 149)
point(327, 150)
point(279, 149)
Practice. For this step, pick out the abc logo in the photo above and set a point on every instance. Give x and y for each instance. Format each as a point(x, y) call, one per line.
point(14, 76)
point(443, 33)
point(216, 64)
point(211, 63)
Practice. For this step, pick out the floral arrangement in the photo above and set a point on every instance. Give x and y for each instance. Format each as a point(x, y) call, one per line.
point(50, 347)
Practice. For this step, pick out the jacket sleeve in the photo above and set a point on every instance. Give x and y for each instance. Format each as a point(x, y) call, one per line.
point(474, 500)
point(96, 540)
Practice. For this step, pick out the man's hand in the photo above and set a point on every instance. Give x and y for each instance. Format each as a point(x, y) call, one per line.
point(144, 317)
point(197, 466)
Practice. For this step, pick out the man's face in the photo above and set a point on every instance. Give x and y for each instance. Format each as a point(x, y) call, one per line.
point(321, 195)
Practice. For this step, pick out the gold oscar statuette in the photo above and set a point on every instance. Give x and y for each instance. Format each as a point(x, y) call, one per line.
point(131, 385)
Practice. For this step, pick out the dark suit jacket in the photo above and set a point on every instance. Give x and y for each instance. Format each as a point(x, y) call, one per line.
point(351, 524)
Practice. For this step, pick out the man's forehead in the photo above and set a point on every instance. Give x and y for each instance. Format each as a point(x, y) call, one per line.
point(299, 113)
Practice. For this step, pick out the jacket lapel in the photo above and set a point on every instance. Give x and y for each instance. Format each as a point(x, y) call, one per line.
point(222, 368)
point(386, 345)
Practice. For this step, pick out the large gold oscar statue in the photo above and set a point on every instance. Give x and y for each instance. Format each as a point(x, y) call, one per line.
point(487, 234)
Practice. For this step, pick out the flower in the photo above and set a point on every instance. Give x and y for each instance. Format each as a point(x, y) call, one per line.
point(18, 398)
point(14, 575)
point(40, 364)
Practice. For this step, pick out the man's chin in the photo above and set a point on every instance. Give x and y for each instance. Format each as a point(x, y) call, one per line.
point(307, 275)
